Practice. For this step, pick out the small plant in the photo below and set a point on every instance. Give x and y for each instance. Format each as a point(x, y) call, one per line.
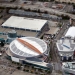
point(59, 25)
point(36, 72)
point(27, 70)
point(45, 12)
point(2, 7)
point(39, 11)
point(1, 16)
point(65, 17)
point(29, 9)
point(34, 10)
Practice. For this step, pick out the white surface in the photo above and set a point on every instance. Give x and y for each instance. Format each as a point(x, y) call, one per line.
point(38, 63)
point(70, 69)
point(70, 32)
point(27, 50)
point(37, 43)
point(65, 51)
point(25, 23)
point(0, 54)
point(66, 43)
point(15, 59)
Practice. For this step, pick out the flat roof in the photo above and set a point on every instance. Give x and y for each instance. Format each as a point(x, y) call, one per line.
point(44, 64)
point(65, 45)
point(24, 23)
point(70, 32)
point(53, 30)
point(69, 66)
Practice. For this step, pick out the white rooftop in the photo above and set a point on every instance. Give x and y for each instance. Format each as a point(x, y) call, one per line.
point(65, 46)
point(24, 23)
point(69, 67)
point(70, 32)
point(19, 49)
